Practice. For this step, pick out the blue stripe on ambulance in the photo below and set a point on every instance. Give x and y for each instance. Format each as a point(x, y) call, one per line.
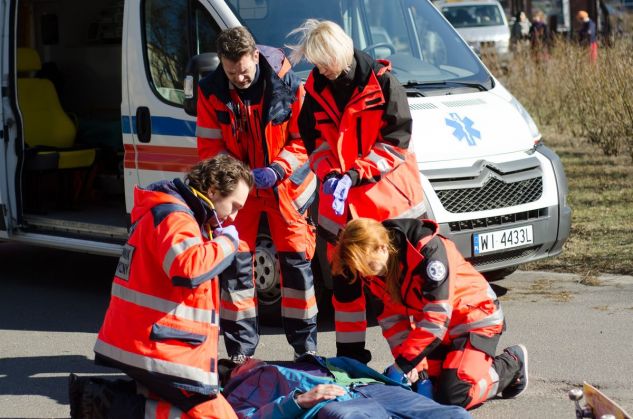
point(162, 125)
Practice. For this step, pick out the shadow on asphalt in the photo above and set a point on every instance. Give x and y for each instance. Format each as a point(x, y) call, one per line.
point(45, 376)
point(53, 290)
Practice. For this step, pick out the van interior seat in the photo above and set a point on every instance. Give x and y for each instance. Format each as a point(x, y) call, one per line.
point(47, 128)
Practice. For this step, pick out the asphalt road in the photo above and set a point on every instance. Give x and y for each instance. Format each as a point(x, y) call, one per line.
point(52, 304)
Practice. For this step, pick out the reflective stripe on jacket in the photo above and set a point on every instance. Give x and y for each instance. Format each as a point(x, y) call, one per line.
point(163, 317)
point(280, 147)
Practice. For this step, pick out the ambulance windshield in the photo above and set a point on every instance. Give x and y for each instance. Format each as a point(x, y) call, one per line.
point(412, 34)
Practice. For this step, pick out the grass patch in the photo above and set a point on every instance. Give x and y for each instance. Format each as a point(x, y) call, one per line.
point(585, 112)
point(601, 197)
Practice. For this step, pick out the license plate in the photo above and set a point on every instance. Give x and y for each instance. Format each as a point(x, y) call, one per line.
point(502, 239)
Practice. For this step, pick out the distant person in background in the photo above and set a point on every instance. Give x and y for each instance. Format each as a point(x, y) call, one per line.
point(539, 37)
point(520, 31)
point(587, 34)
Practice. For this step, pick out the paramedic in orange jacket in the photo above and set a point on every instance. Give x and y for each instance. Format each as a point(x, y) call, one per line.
point(248, 108)
point(162, 325)
point(356, 125)
point(439, 315)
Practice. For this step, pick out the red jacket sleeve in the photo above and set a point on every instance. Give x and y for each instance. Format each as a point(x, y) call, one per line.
point(208, 131)
point(188, 258)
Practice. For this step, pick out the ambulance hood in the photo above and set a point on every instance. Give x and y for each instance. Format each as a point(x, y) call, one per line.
point(470, 126)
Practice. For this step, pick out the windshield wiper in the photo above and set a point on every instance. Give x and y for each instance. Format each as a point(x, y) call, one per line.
point(444, 83)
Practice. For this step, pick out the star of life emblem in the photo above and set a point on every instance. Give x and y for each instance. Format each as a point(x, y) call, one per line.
point(436, 271)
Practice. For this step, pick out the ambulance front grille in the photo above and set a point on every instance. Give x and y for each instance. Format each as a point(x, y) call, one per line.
point(495, 193)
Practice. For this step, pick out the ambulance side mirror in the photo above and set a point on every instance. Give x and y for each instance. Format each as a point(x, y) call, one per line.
point(198, 66)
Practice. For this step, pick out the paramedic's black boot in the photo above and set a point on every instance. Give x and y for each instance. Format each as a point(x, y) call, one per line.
point(520, 384)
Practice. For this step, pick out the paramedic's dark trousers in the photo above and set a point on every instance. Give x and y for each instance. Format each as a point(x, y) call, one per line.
point(378, 401)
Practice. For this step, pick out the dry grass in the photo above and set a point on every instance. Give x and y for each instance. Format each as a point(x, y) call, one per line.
point(601, 197)
point(585, 112)
point(567, 92)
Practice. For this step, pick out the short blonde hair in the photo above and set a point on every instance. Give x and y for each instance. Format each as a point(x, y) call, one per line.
point(322, 42)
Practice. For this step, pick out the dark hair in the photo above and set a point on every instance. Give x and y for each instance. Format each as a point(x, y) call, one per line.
point(222, 173)
point(233, 43)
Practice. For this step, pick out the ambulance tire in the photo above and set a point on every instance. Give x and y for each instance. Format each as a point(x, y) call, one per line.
point(267, 278)
point(267, 281)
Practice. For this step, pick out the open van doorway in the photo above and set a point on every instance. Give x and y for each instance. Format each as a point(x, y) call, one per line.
point(68, 74)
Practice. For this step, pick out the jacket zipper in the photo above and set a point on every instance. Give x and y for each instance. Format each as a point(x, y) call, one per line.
point(359, 140)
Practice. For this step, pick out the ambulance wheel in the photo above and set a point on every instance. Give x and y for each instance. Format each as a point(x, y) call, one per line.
point(267, 277)
point(268, 281)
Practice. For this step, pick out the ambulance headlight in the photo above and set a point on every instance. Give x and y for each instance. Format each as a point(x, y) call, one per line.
point(534, 131)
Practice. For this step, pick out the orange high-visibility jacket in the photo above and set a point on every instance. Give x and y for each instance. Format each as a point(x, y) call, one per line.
point(280, 147)
point(443, 297)
point(163, 321)
point(368, 140)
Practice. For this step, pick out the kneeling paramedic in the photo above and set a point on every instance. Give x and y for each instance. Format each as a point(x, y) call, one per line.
point(439, 315)
point(162, 325)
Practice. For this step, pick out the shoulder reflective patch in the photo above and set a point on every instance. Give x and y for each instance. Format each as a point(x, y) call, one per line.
point(436, 271)
point(125, 261)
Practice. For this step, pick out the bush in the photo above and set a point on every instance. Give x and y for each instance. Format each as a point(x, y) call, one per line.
point(564, 90)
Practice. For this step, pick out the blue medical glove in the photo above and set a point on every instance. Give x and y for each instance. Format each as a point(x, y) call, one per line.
point(329, 185)
point(229, 231)
point(265, 177)
point(342, 188)
point(340, 194)
point(338, 206)
point(424, 387)
point(395, 373)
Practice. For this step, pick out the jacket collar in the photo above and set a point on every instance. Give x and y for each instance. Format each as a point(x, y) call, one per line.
point(417, 232)
point(364, 66)
point(201, 210)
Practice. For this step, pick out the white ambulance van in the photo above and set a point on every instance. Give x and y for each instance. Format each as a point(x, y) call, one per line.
point(93, 103)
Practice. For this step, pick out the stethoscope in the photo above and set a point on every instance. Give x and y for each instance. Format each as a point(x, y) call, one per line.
point(206, 200)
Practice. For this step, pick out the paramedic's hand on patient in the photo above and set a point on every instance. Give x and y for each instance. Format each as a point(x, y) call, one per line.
point(340, 194)
point(229, 231)
point(265, 177)
point(318, 394)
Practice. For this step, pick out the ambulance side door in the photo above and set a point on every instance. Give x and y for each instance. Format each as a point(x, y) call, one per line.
point(8, 151)
point(159, 38)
